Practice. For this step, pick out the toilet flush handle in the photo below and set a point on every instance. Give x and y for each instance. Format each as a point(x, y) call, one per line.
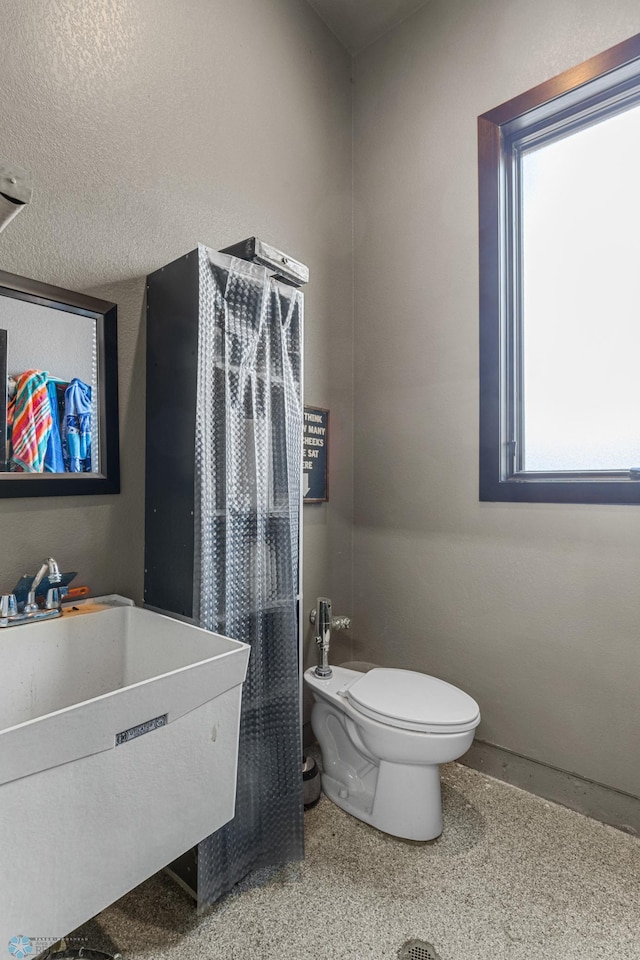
point(337, 623)
point(324, 623)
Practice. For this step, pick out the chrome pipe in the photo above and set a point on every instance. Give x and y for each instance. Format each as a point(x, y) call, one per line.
point(323, 635)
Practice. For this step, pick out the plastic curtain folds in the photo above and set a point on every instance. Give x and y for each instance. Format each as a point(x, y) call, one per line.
point(248, 463)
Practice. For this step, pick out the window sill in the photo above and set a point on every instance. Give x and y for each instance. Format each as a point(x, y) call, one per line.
point(529, 488)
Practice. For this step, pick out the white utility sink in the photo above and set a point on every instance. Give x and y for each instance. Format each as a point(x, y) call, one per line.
point(118, 752)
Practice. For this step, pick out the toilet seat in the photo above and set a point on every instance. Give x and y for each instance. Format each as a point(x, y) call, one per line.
point(413, 701)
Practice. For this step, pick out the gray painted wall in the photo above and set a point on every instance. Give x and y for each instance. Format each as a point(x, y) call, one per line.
point(533, 609)
point(148, 127)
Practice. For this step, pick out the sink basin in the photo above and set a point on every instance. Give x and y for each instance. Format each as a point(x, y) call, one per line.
point(118, 752)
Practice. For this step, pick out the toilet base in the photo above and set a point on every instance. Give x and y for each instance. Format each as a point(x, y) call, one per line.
point(403, 800)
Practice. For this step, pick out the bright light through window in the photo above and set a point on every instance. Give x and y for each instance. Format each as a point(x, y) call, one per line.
point(581, 298)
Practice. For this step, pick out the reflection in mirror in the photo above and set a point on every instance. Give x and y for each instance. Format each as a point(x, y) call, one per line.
point(52, 388)
point(58, 404)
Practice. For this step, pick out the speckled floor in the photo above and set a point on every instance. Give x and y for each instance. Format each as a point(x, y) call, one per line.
point(512, 878)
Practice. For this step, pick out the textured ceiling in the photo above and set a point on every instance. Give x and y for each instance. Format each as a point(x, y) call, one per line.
point(357, 23)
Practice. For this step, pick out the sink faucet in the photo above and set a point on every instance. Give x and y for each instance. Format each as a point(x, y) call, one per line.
point(53, 601)
point(10, 616)
point(324, 623)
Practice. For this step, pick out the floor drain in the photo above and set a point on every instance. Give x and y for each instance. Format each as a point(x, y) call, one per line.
point(417, 950)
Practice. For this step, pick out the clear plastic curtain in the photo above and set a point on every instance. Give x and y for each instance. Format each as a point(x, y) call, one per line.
point(248, 462)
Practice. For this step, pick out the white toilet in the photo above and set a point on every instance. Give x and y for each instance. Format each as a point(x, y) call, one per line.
point(383, 735)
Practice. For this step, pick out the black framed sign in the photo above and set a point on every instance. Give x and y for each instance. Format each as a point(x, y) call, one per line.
point(315, 455)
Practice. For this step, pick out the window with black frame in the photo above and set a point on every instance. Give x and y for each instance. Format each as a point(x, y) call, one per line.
point(560, 287)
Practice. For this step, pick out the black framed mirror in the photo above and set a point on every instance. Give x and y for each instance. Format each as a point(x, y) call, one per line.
point(58, 391)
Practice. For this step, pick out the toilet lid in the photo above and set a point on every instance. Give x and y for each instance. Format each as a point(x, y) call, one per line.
point(415, 701)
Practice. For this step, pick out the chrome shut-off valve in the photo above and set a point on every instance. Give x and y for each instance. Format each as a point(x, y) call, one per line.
point(324, 623)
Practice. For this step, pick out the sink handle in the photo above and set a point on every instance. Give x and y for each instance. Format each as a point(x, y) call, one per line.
point(8, 605)
point(54, 599)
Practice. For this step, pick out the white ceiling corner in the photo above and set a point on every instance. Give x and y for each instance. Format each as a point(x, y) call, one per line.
point(358, 23)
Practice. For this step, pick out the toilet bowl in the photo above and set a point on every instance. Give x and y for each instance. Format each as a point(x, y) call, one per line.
point(383, 735)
